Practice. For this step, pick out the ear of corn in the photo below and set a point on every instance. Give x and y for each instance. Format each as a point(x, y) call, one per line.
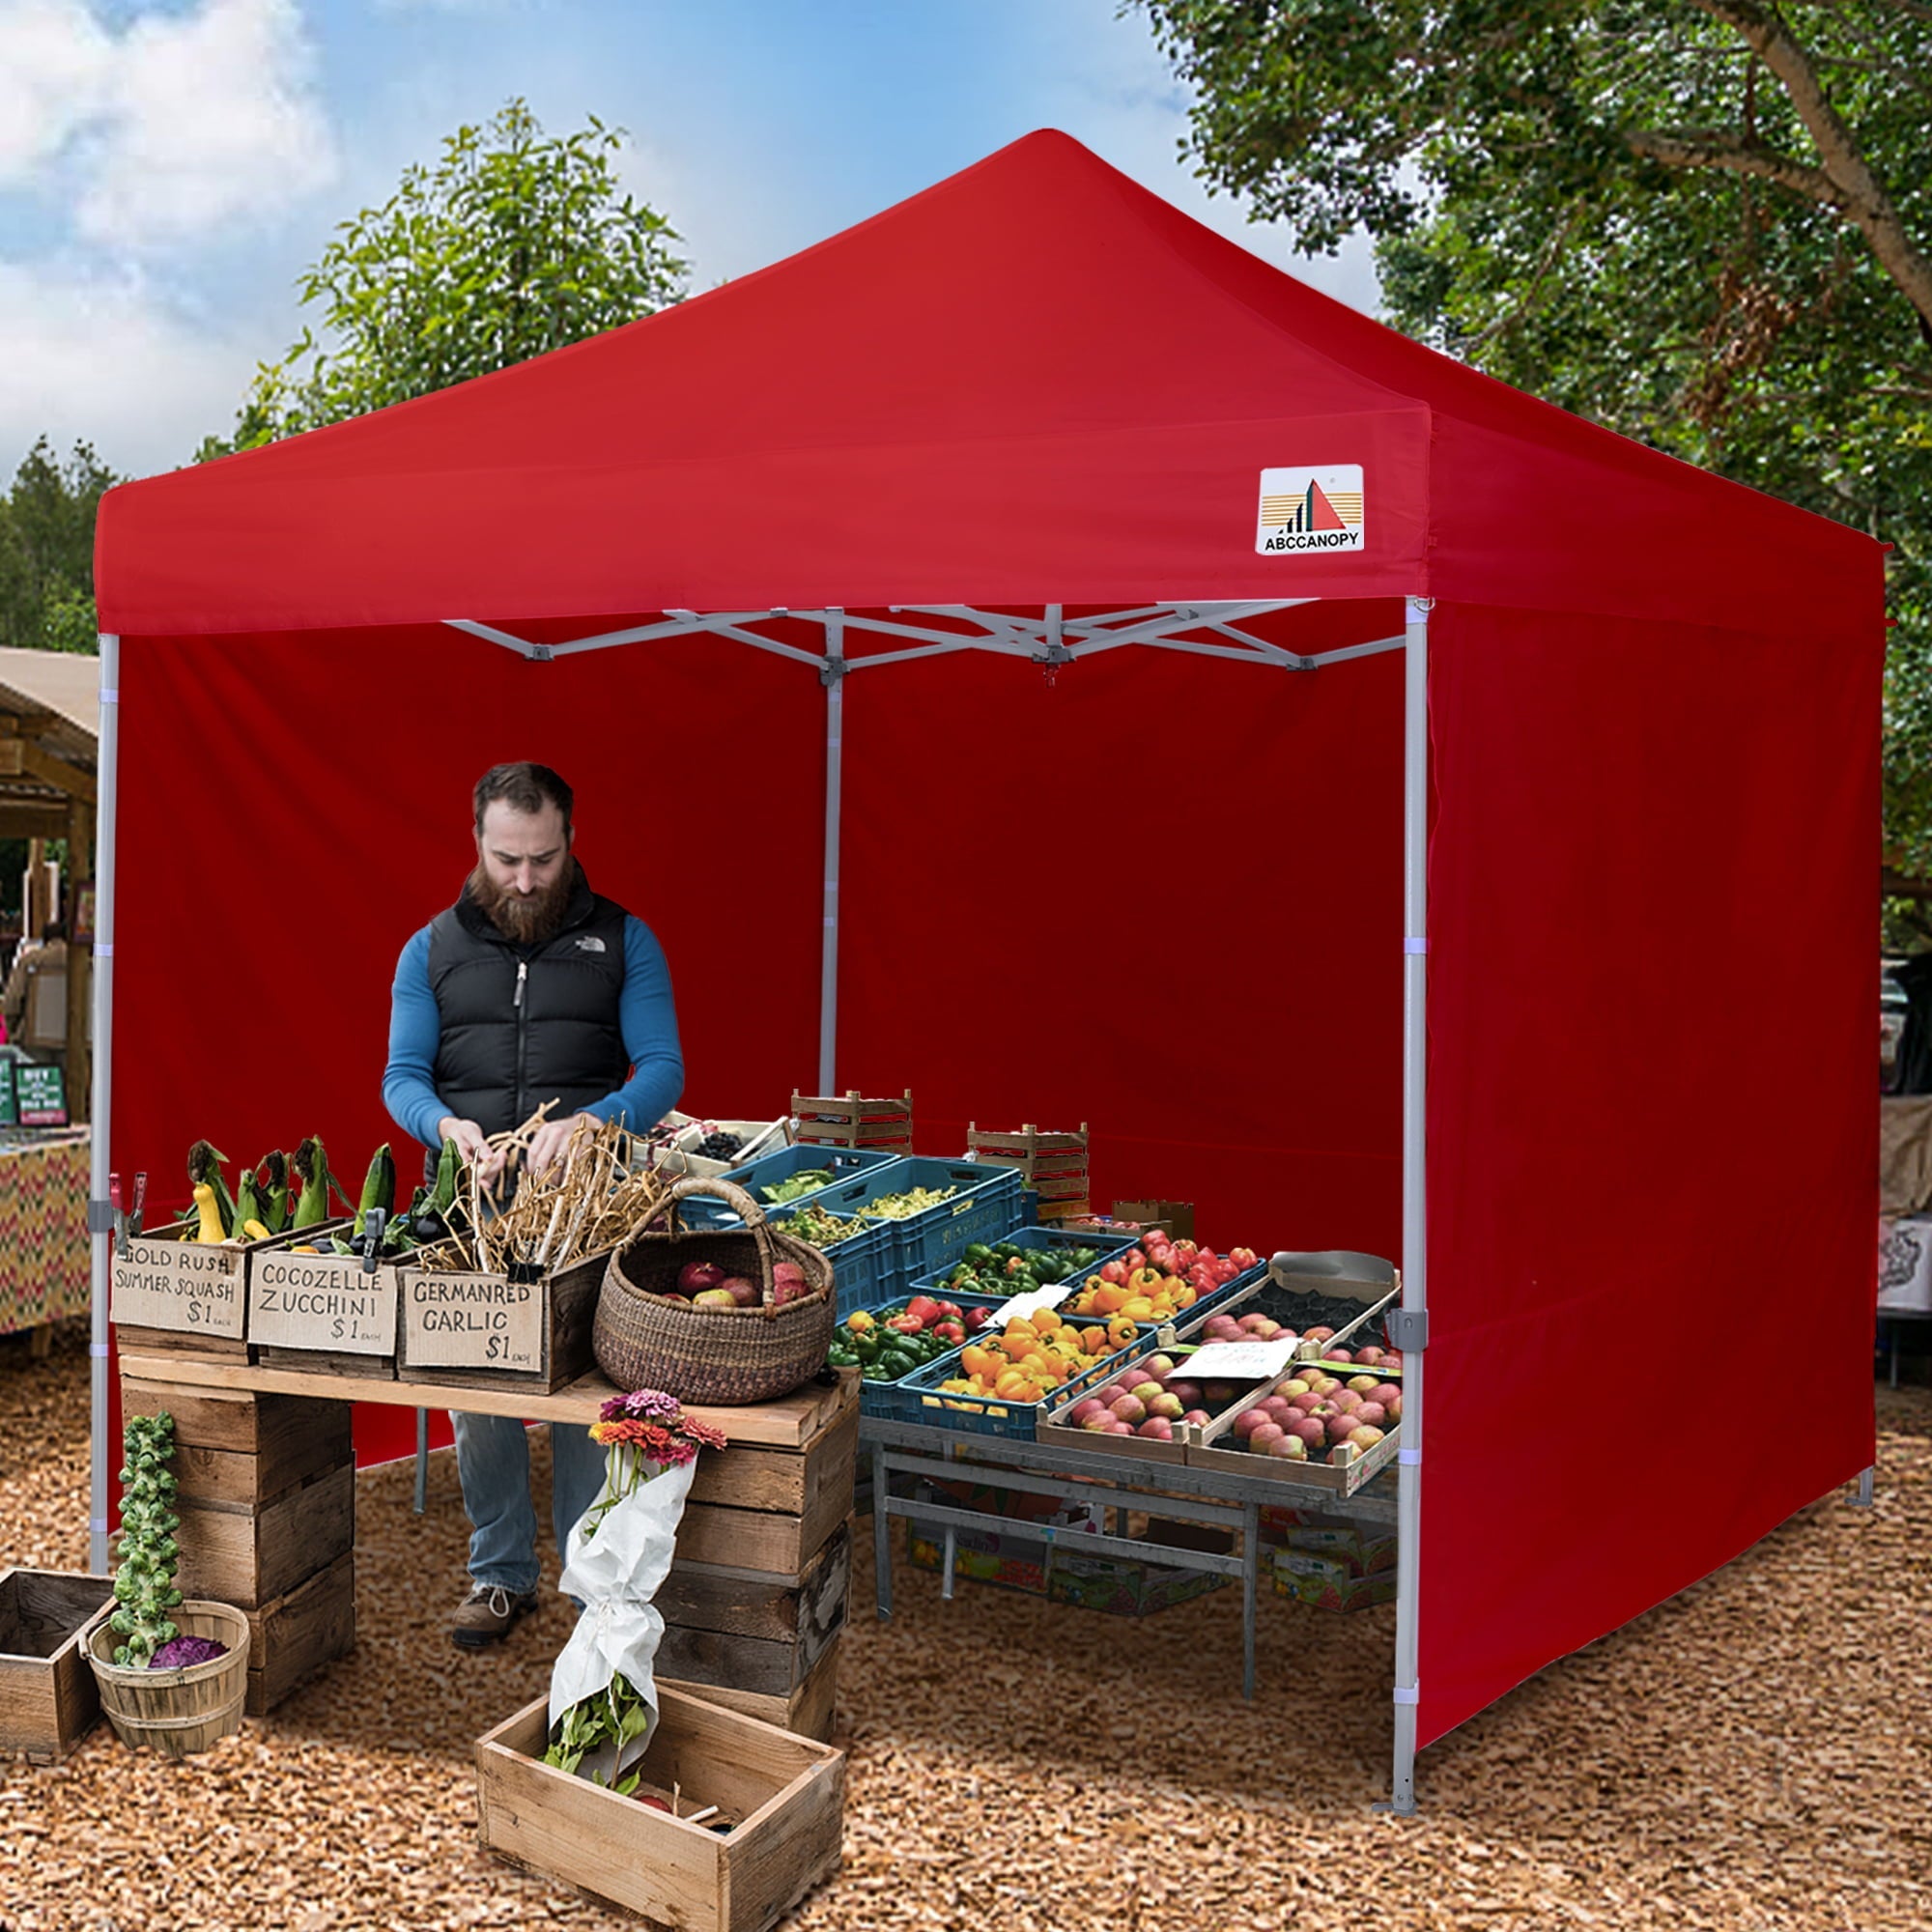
point(379, 1187)
point(312, 1167)
point(247, 1208)
point(448, 1170)
point(272, 1190)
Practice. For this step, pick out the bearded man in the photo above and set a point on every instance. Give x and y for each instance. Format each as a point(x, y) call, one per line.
point(530, 989)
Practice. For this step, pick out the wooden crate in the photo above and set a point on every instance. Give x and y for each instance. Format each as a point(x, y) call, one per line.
point(1052, 1166)
point(788, 1792)
point(251, 1557)
point(298, 1633)
point(850, 1121)
point(237, 1452)
point(323, 1312)
point(777, 1539)
point(171, 1293)
point(738, 1628)
point(486, 1331)
point(48, 1701)
point(808, 1711)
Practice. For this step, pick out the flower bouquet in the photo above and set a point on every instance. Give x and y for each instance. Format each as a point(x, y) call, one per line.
point(602, 1696)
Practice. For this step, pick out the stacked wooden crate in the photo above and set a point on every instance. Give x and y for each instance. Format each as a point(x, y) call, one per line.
point(267, 1519)
point(851, 1121)
point(1052, 1166)
point(755, 1600)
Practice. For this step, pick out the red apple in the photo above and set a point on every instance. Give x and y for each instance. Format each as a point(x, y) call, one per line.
point(1156, 1429)
point(1385, 1393)
point(693, 1277)
point(1167, 1406)
point(1269, 1432)
point(744, 1291)
point(1130, 1409)
point(1251, 1419)
point(1321, 1334)
point(1199, 1417)
point(1365, 1437)
point(1308, 1432)
point(1290, 1448)
point(1371, 1415)
point(1083, 1409)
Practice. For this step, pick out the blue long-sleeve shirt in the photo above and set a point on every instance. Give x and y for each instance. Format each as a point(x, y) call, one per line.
point(644, 1013)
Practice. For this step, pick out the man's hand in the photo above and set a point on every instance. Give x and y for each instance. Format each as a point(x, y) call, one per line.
point(551, 1139)
point(474, 1144)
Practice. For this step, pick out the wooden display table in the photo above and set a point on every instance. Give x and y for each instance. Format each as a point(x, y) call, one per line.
point(755, 1603)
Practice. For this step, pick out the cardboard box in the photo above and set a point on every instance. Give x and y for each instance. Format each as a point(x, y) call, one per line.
point(1175, 1217)
point(982, 1556)
point(1126, 1589)
point(1336, 1593)
point(1355, 1550)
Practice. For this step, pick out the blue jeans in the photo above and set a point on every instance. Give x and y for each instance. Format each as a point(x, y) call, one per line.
point(493, 1459)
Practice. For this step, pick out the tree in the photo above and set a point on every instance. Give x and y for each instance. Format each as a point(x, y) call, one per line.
point(512, 243)
point(1705, 224)
point(46, 549)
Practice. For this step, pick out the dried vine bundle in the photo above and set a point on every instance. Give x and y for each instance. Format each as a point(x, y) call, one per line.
point(588, 1199)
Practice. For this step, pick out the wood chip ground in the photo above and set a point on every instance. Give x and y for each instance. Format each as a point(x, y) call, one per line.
point(1749, 1757)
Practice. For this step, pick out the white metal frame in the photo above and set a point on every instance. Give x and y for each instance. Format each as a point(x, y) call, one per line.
point(912, 631)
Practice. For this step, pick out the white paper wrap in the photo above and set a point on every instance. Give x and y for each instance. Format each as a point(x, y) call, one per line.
point(616, 1574)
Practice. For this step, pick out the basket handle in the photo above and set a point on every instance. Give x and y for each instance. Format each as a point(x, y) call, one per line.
point(734, 1196)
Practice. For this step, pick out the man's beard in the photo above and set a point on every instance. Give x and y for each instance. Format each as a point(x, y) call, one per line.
point(528, 921)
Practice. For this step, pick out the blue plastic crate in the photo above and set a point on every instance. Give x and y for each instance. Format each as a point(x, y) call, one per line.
point(768, 1170)
point(917, 1397)
point(1106, 1248)
point(872, 1394)
point(984, 1207)
point(858, 1264)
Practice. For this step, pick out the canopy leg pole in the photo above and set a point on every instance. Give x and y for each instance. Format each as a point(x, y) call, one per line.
point(101, 1215)
point(833, 677)
point(1412, 1329)
point(1863, 1498)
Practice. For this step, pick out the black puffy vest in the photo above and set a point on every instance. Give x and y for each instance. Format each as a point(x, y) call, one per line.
point(525, 1024)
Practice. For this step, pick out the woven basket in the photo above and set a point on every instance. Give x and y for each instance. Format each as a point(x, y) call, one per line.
point(183, 1710)
point(644, 1338)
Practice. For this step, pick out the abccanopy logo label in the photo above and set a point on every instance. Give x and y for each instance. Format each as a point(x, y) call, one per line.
point(1309, 510)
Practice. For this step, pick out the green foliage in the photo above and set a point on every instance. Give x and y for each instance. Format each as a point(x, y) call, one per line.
point(46, 549)
point(614, 1716)
point(1702, 224)
point(144, 1583)
point(514, 242)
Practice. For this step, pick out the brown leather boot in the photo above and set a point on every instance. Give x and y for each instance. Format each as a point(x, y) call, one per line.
point(488, 1615)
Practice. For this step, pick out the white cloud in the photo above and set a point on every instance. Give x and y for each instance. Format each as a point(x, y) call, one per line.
point(178, 125)
point(55, 62)
point(102, 357)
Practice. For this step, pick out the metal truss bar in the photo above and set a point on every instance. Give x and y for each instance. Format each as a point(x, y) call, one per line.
point(640, 633)
point(739, 635)
point(1356, 651)
point(1275, 661)
point(523, 647)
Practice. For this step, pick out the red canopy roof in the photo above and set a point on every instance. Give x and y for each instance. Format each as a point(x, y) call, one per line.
point(1033, 382)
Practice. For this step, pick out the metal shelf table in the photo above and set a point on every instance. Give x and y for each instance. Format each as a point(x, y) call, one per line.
point(1168, 1491)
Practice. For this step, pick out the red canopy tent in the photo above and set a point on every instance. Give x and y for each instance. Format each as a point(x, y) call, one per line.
point(1135, 620)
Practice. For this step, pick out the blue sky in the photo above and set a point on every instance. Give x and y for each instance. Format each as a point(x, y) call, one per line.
point(168, 166)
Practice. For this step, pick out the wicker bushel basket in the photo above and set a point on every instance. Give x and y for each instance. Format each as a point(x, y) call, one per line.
point(183, 1710)
point(644, 1338)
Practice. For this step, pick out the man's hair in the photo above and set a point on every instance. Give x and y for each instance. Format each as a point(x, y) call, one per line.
point(523, 787)
point(54, 929)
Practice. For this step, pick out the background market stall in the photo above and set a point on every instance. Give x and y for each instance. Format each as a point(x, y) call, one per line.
point(1223, 676)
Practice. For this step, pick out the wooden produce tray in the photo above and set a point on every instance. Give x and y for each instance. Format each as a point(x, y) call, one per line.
point(1341, 1479)
point(470, 1330)
point(1052, 1166)
point(48, 1701)
point(787, 1793)
point(850, 1120)
point(171, 1295)
point(324, 1312)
